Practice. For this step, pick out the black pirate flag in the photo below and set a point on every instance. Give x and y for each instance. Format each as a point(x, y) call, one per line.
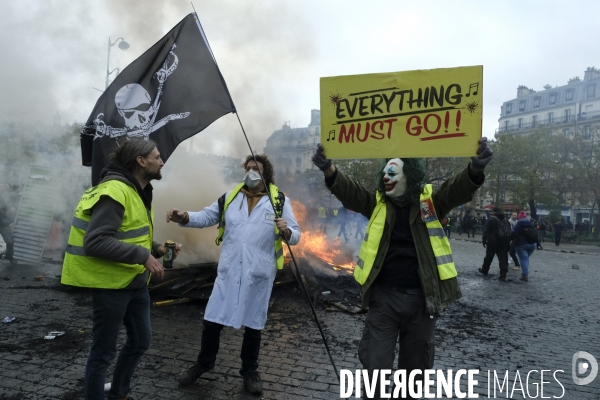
point(170, 93)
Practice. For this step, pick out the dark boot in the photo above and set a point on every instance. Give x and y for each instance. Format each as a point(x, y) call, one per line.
point(483, 271)
point(253, 383)
point(191, 375)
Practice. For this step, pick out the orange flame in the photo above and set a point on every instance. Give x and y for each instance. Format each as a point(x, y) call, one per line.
point(318, 244)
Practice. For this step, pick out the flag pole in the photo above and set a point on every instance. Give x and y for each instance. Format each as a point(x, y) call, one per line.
point(293, 263)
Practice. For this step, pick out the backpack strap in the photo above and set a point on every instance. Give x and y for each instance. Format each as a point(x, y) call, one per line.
point(221, 202)
point(279, 204)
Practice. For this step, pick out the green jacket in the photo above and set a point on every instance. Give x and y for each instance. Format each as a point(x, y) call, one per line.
point(455, 191)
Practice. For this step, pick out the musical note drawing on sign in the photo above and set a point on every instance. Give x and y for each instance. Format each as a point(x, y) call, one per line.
point(331, 133)
point(473, 85)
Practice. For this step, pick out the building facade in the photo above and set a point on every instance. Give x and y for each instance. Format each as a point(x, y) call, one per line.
point(290, 149)
point(564, 109)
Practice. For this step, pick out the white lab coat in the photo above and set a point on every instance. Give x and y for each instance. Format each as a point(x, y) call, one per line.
point(247, 265)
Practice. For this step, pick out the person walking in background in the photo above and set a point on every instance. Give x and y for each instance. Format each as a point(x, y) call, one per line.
point(447, 225)
point(361, 224)
point(471, 222)
point(525, 240)
point(558, 230)
point(540, 228)
point(342, 218)
point(323, 219)
point(496, 239)
point(513, 221)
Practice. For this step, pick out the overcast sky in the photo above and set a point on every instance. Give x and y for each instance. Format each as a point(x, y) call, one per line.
point(272, 53)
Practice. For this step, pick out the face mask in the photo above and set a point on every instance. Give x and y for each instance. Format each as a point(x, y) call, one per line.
point(252, 179)
point(394, 179)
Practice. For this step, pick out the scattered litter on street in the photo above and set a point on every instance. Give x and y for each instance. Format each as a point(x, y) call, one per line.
point(7, 320)
point(53, 334)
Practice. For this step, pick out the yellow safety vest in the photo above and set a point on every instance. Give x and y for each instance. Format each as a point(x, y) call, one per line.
point(439, 241)
point(136, 228)
point(274, 193)
point(437, 237)
point(322, 212)
point(335, 212)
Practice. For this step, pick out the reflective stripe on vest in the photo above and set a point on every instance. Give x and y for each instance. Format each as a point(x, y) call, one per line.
point(82, 270)
point(370, 246)
point(439, 241)
point(274, 193)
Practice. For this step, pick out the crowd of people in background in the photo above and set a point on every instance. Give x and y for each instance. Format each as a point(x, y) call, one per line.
point(351, 224)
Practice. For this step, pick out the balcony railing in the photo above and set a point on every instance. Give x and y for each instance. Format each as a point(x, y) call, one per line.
point(584, 117)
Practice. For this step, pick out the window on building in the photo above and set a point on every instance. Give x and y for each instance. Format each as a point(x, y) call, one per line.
point(522, 104)
point(588, 108)
point(508, 108)
point(567, 114)
point(552, 99)
point(550, 117)
point(569, 95)
point(587, 131)
point(536, 101)
point(534, 120)
point(566, 132)
point(520, 123)
point(506, 126)
point(591, 91)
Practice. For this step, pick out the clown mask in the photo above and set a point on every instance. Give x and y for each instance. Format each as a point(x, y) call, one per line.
point(394, 179)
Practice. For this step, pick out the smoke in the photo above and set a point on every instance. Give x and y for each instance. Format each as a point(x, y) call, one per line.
point(55, 54)
point(189, 183)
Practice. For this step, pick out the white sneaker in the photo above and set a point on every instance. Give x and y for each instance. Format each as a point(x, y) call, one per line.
point(107, 386)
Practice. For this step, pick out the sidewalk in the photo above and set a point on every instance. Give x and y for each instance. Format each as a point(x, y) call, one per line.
point(496, 326)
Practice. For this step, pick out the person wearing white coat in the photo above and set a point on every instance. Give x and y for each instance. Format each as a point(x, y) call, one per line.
point(246, 270)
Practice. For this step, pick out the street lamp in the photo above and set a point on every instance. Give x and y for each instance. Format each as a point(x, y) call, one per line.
point(123, 46)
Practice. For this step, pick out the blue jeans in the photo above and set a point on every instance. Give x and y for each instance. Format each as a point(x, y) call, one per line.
point(112, 309)
point(524, 251)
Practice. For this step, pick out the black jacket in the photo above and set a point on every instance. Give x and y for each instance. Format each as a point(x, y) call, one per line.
point(490, 230)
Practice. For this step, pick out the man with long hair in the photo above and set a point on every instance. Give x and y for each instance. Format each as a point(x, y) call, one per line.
point(405, 265)
point(251, 229)
point(110, 250)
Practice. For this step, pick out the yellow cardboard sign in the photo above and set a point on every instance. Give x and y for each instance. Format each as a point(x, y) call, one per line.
point(423, 113)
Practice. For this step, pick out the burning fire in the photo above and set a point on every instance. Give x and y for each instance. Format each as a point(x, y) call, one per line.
point(318, 244)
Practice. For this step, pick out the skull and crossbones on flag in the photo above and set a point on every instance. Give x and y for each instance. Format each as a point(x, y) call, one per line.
point(190, 94)
point(137, 109)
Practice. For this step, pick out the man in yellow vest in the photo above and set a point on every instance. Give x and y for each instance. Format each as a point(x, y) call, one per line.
point(251, 231)
point(323, 219)
point(110, 250)
point(405, 266)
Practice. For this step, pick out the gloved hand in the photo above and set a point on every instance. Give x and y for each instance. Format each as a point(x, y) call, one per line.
point(484, 244)
point(320, 159)
point(484, 156)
